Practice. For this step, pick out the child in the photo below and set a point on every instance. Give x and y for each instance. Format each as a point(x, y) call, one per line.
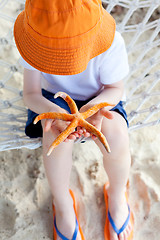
point(72, 46)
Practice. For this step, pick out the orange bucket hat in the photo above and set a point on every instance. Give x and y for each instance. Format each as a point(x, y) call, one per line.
point(61, 37)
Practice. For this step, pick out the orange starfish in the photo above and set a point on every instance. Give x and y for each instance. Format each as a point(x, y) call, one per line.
point(76, 118)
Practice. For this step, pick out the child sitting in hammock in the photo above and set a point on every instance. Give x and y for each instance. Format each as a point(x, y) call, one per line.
point(72, 46)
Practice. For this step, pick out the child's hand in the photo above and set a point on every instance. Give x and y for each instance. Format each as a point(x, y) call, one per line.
point(58, 126)
point(95, 120)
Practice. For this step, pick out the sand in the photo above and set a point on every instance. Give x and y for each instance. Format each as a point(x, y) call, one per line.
point(25, 198)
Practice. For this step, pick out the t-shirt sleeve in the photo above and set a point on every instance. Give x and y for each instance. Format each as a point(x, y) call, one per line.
point(24, 64)
point(114, 64)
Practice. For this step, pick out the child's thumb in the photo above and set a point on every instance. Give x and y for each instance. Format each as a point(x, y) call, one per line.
point(107, 114)
point(48, 124)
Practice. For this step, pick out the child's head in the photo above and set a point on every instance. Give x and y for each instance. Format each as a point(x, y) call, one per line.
point(60, 37)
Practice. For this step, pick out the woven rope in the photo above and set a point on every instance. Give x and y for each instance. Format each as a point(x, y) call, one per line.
point(139, 23)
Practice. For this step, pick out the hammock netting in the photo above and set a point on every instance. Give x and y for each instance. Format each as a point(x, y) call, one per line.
point(139, 23)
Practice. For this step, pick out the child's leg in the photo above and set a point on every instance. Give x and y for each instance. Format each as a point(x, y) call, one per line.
point(117, 165)
point(58, 168)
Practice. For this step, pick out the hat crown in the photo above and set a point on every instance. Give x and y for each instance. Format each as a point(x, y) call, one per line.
point(54, 5)
point(62, 18)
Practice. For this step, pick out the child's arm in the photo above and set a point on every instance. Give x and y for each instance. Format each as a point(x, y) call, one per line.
point(32, 95)
point(111, 93)
point(35, 101)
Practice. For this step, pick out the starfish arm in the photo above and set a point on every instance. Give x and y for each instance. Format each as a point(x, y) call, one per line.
point(71, 103)
point(54, 115)
point(61, 137)
point(90, 128)
point(95, 109)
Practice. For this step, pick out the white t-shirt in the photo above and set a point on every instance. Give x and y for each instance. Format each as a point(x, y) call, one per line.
point(106, 68)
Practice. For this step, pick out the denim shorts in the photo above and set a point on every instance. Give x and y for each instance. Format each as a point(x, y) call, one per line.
point(34, 131)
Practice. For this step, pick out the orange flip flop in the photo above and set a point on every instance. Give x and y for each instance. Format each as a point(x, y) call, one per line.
point(77, 228)
point(109, 219)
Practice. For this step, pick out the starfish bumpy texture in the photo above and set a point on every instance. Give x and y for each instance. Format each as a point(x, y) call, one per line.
point(76, 118)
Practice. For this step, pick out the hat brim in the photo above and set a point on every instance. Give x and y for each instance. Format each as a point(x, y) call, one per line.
point(63, 61)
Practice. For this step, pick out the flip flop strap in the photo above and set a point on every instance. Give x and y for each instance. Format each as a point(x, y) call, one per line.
point(118, 231)
point(61, 235)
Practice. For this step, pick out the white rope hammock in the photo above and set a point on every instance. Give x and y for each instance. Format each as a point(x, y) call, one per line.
point(139, 23)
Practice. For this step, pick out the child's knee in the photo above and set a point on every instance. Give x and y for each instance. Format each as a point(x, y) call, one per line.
point(117, 138)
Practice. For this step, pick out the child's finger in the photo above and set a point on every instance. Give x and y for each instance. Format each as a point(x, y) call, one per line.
point(48, 124)
point(107, 114)
point(94, 137)
point(72, 136)
point(84, 130)
point(80, 130)
point(87, 134)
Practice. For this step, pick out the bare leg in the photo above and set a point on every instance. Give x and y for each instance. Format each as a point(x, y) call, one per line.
point(58, 168)
point(117, 165)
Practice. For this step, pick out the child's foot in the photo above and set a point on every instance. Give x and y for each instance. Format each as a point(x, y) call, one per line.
point(66, 220)
point(118, 209)
point(66, 224)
